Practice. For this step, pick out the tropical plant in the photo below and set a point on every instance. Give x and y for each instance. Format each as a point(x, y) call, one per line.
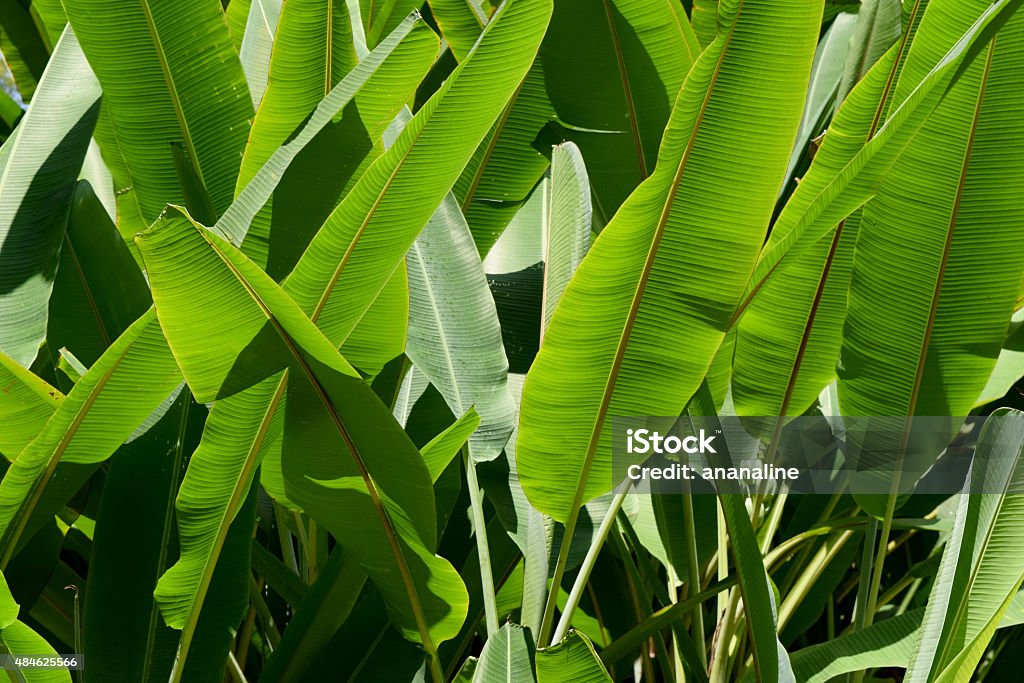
point(320, 323)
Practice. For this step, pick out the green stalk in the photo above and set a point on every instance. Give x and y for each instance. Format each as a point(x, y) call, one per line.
point(663, 618)
point(585, 569)
point(727, 605)
point(476, 504)
point(642, 600)
point(860, 619)
point(822, 559)
point(548, 621)
point(693, 571)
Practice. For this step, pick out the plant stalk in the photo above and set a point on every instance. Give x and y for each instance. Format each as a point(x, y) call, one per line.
point(586, 568)
point(476, 504)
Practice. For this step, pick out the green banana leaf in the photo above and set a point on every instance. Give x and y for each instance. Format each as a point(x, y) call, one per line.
point(454, 336)
point(99, 290)
point(365, 238)
point(844, 178)
point(123, 635)
point(243, 428)
point(128, 382)
point(23, 48)
point(316, 52)
point(504, 170)
point(171, 81)
point(381, 17)
point(506, 657)
point(257, 44)
point(41, 164)
point(567, 232)
point(612, 71)
point(26, 403)
point(704, 18)
point(360, 496)
point(933, 358)
point(1009, 367)
point(982, 567)
point(20, 640)
point(571, 661)
point(879, 25)
point(461, 22)
point(781, 365)
point(615, 344)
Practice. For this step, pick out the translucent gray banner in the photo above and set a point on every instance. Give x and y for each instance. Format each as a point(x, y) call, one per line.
point(817, 455)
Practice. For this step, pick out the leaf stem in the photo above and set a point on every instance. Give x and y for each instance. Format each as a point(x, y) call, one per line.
point(476, 504)
point(693, 573)
point(586, 568)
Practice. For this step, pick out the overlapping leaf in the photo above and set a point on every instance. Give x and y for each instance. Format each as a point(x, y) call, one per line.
point(360, 493)
point(615, 345)
point(37, 178)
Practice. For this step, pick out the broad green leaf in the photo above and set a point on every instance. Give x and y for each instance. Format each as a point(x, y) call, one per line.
point(242, 429)
point(879, 24)
point(10, 113)
point(962, 668)
point(505, 657)
point(825, 76)
point(237, 16)
point(381, 17)
point(257, 43)
point(889, 642)
point(287, 140)
point(440, 450)
point(131, 379)
point(505, 169)
point(381, 334)
point(704, 17)
point(843, 179)
point(99, 290)
point(20, 640)
point(205, 646)
point(172, 84)
point(1009, 367)
point(331, 598)
point(51, 14)
point(365, 238)
point(631, 336)
point(466, 671)
point(360, 495)
point(788, 340)
point(8, 607)
point(461, 22)
point(23, 48)
point(567, 230)
point(613, 70)
point(571, 661)
point(36, 186)
point(925, 319)
point(454, 335)
point(26, 403)
point(981, 564)
point(315, 52)
point(327, 604)
point(124, 636)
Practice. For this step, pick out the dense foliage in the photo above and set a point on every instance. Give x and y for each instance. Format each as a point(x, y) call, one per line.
point(316, 318)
